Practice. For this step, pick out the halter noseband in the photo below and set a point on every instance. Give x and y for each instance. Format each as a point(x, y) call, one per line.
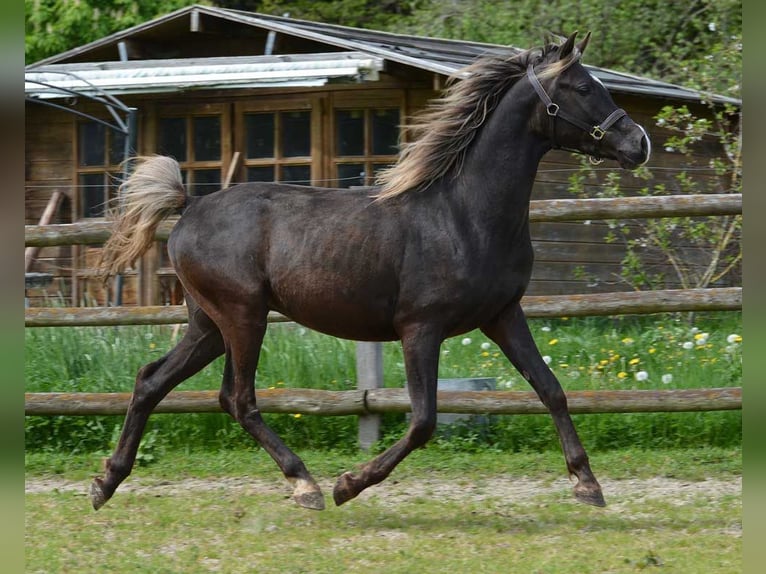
point(553, 110)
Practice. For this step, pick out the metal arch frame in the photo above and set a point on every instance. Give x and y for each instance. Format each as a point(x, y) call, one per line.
point(127, 127)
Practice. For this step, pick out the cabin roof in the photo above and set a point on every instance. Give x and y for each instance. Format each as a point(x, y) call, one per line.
point(196, 37)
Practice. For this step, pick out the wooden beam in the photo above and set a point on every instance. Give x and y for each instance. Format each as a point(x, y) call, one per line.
point(86, 233)
point(342, 403)
point(633, 302)
point(30, 253)
point(233, 166)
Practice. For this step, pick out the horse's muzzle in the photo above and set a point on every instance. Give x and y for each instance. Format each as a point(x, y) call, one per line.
point(636, 149)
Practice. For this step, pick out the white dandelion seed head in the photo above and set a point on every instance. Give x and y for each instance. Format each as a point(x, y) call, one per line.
point(547, 359)
point(485, 346)
point(465, 342)
point(688, 345)
point(667, 378)
point(642, 375)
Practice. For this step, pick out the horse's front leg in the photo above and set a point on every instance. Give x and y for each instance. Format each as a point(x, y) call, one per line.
point(511, 332)
point(421, 360)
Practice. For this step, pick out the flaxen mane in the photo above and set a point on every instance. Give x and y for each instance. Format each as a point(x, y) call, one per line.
point(442, 133)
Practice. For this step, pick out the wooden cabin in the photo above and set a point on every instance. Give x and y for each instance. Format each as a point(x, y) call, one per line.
point(237, 96)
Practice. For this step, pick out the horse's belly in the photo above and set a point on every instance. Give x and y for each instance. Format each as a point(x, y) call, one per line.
point(338, 312)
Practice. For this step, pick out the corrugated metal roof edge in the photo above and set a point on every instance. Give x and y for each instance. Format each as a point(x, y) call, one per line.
point(297, 28)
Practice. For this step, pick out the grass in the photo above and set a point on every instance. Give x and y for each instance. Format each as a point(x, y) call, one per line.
point(438, 512)
point(656, 352)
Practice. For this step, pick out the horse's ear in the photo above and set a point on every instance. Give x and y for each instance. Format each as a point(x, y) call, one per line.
point(582, 44)
point(567, 47)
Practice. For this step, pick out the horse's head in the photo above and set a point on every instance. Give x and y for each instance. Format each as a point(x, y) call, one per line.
point(577, 113)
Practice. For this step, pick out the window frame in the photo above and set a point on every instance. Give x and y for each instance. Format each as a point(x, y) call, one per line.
point(277, 105)
point(368, 102)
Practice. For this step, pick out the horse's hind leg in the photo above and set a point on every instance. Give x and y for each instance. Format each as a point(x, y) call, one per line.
point(421, 357)
point(200, 345)
point(511, 332)
point(244, 338)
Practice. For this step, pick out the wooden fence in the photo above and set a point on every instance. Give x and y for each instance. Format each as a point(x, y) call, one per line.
point(370, 400)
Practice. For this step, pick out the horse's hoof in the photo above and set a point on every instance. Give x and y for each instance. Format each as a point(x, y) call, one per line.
point(344, 489)
point(97, 496)
point(306, 493)
point(310, 500)
point(589, 495)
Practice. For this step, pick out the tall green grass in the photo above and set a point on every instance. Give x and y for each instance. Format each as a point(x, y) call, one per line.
point(657, 352)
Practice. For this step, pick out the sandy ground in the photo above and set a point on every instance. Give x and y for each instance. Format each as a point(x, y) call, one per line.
point(512, 489)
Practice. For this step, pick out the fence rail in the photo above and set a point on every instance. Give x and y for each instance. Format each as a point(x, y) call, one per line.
point(378, 401)
point(639, 302)
point(95, 232)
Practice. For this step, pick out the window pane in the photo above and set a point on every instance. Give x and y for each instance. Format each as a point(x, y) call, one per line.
point(92, 143)
point(113, 181)
point(296, 134)
point(207, 138)
point(260, 135)
point(350, 174)
point(172, 140)
point(206, 181)
point(265, 173)
point(385, 132)
point(92, 195)
point(349, 132)
point(298, 174)
point(116, 147)
point(377, 167)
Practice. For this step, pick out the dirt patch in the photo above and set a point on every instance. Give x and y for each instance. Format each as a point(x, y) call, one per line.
point(517, 490)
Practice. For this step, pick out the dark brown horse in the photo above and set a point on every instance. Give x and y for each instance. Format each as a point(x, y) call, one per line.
point(440, 247)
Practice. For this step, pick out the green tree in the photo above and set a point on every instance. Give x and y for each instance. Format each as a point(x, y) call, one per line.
point(54, 26)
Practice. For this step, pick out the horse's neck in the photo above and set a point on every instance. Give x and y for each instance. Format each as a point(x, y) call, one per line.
point(499, 170)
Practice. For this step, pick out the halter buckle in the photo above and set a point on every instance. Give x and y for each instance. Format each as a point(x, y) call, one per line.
point(552, 109)
point(597, 133)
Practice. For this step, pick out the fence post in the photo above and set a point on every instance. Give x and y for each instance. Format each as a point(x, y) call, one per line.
point(369, 376)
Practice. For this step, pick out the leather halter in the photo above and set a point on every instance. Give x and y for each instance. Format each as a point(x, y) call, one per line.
point(553, 110)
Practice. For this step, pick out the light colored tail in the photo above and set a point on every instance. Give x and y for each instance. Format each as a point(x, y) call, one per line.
point(152, 192)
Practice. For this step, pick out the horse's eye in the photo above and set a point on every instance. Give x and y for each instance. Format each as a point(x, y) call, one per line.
point(583, 89)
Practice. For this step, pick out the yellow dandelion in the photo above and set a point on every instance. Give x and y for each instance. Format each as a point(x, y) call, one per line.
point(553, 341)
point(634, 361)
point(627, 341)
point(297, 415)
point(152, 345)
point(603, 362)
point(652, 350)
point(622, 375)
point(485, 354)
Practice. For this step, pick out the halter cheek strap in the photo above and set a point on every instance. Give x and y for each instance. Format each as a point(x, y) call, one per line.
point(597, 132)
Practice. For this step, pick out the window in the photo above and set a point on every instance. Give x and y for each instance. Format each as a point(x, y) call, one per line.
point(278, 146)
point(100, 150)
point(366, 140)
point(195, 142)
